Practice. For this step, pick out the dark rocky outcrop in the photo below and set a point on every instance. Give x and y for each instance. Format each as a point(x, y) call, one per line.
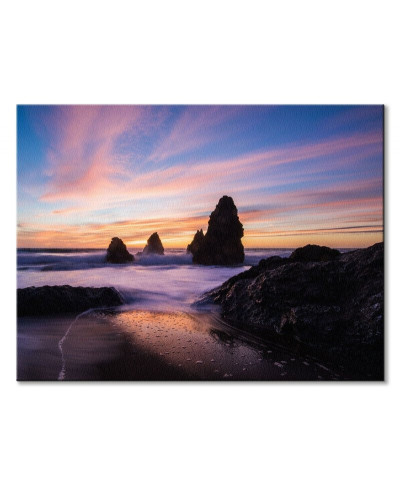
point(197, 242)
point(312, 252)
point(117, 252)
point(154, 245)
point(222, 244)
point(52, 300)
point(333, 308)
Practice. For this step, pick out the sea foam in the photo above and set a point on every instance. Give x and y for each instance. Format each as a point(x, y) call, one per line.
point(151, 282)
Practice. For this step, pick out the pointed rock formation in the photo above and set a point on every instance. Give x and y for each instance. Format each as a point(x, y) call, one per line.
point(154, 245)
point(222, 243)
point(195, 245)
point(117, 252)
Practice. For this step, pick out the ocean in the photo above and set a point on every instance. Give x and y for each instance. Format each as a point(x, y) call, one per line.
point(170, 282)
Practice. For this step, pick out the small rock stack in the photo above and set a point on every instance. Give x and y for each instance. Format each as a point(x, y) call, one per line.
point(154, 245)
point(117, 252)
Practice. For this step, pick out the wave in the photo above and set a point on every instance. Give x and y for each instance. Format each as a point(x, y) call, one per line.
point(174, 258)
point(60, 261)
point(153, 282)
point(80, 260)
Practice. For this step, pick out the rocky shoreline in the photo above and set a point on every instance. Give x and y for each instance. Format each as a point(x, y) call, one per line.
point(55, 300)
point(331, 304)
point(317, 302)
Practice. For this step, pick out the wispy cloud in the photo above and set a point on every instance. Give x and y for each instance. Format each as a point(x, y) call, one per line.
point(197, 127)
point(197, 187)
point(82, 159)
point(164, 170)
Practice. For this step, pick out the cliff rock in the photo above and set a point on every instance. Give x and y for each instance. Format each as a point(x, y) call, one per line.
point(332, 308)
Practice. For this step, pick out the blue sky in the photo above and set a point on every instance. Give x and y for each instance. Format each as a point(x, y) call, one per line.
point(298, 174)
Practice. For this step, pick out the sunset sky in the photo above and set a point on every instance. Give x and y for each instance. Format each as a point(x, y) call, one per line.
point(298, 174)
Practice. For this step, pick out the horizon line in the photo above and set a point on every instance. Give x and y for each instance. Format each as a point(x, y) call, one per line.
point(184, 248)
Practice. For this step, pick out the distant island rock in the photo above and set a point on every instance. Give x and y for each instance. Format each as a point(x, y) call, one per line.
point(222, 244)
point(332, 304)
point(154, 245)
point(52, 300)
point(117, 252)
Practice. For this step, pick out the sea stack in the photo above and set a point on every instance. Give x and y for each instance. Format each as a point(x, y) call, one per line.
point(117, 252)
point(195, 245)
point(222, 244)
point(154, 245)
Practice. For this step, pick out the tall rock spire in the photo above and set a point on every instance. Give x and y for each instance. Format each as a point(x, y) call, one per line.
point(222, 243)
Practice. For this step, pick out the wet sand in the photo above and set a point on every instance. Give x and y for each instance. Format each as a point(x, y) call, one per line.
point(138, 345)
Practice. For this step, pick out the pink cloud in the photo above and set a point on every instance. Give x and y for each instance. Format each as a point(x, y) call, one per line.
point(196, 127)
point(370, 142)
point(81, 159)
point(239, 168)
point(236, 171)
point(101, 179)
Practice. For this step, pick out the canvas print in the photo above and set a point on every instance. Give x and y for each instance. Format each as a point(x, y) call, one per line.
point(200, 243)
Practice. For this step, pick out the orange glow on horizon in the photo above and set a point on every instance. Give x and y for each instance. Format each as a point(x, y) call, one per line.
point(100, 236)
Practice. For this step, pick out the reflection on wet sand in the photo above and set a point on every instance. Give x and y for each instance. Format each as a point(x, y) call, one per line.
point(151, 345)
point(206, 348)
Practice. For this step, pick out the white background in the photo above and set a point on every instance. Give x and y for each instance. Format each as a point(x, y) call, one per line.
point(198, 52)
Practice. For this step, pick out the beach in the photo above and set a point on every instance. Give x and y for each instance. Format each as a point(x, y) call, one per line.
point(143, 345)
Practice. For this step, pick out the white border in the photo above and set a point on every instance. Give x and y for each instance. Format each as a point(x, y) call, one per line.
point(206, 52)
